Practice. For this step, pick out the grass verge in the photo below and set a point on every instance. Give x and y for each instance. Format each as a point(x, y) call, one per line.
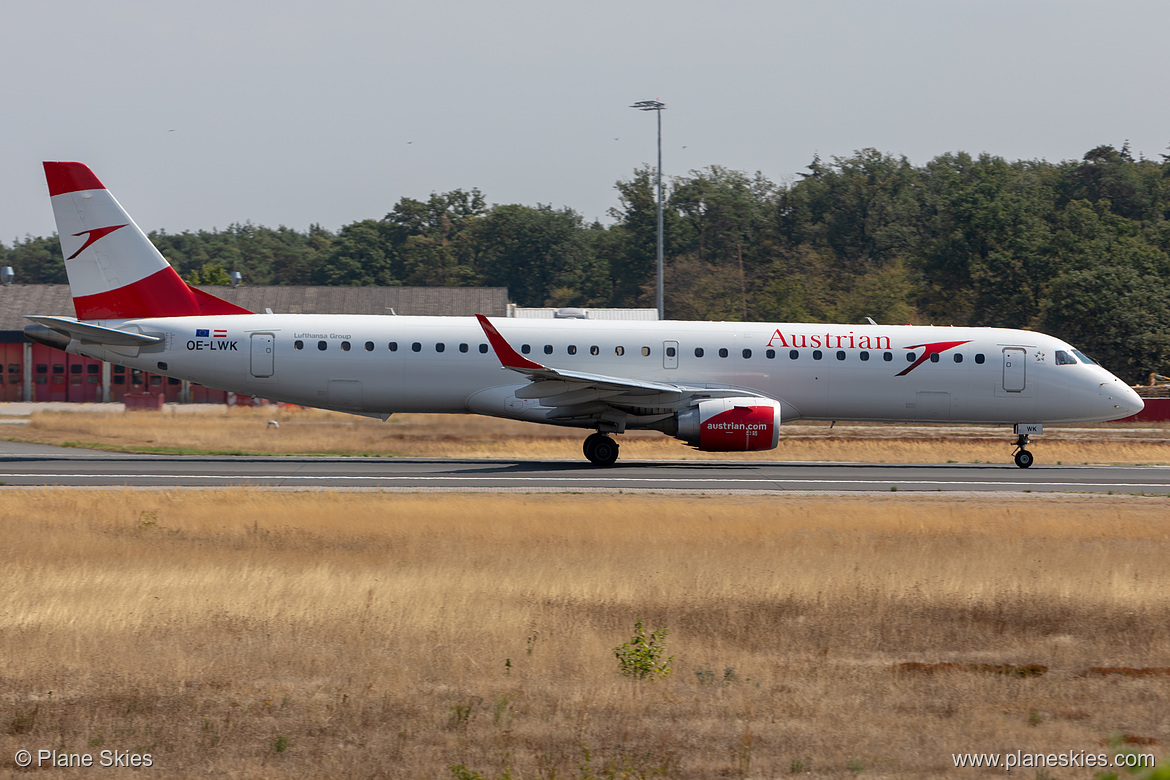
point(247, 633)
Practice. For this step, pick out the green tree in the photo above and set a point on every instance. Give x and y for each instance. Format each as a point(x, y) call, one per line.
point(359, 255)
point(210, 273)
point(632, 250)
point(37, 261)
point(723, 232)
point(1115, 314)
point(985, 256)
point(535, 252)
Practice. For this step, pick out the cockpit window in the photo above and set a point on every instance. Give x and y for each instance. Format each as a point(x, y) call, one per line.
point(1064, 359)
point(1084, 358)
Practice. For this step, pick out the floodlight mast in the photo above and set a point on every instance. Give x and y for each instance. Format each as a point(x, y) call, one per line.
point(657, 106)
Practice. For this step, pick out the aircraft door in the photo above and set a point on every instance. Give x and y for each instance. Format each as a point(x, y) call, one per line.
point(262, 354)
point(1014, 369)
point(670, 354)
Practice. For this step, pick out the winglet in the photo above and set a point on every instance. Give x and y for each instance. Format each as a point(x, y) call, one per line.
point(509, 358)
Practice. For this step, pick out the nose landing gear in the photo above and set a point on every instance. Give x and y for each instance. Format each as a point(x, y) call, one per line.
point(600, 449)
point(1023, 458)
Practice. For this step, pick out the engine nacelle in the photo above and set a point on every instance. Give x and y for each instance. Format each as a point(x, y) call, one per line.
point(731, 425)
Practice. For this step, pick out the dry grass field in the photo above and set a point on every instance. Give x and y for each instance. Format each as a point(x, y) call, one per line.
point(244, 633)
point(304, 431)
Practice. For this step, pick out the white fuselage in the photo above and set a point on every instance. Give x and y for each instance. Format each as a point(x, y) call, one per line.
point(378, 365)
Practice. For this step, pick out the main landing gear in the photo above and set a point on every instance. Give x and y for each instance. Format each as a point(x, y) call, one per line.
point(600, 449)
point(1024, 459)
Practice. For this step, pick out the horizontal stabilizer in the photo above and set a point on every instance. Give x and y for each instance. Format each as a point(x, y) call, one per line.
point(95, 334)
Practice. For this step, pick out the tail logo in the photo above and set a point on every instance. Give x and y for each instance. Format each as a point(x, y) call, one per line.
point(94, 235)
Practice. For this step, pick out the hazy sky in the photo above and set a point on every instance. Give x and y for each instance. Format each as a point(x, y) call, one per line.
point(200, 114)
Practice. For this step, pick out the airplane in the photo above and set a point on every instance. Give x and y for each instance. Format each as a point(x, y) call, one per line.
point(718, 386)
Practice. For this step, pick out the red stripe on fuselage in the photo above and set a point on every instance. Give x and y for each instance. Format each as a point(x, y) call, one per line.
point(64, 177)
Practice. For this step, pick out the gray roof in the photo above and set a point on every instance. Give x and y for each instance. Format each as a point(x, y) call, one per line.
point(17, 300)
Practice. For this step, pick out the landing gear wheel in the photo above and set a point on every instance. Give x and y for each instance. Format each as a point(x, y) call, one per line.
point(600, 449)
point(1024, 459)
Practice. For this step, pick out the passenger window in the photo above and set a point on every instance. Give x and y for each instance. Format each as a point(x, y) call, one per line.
point(864, 356)
point(298, 344)
point(723, 352)
point(979, 358)
point(911, 357)
point(345, 345)
point(840, 354)
point(369, 346)
point(416, 347)
point(887, 356)
point(322, 345)
point(645, 351)
point(440, 347)
point(463, 347)
point(525, 348)
point(619, 351)
point(671, 351)
point(572, 349)
point(770, 354)
point(548, 349)
point(934, 357)
point(393, 346)
point(958, 357)
point(1064, 359)
point(483, 348)
point(793, 354)
point(817, 354)
point(595, 350)
point(747, 353)
point(698, 352)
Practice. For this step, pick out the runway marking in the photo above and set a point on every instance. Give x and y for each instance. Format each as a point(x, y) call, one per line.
point(605, 480)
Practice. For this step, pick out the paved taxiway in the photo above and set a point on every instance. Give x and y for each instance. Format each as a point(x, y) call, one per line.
point(39, 465)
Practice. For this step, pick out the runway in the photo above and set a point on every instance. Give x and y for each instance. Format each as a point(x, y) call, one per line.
point(32, 465)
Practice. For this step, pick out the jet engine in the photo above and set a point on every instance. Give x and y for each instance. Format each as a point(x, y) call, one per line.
point(731, 424)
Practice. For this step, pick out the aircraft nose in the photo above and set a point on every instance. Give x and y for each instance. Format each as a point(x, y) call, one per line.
point(1122, 398)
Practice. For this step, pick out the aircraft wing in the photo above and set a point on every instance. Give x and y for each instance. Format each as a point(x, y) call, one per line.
point(95, 334)
point(581, 398)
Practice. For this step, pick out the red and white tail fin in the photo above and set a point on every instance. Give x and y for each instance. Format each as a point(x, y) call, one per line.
point(114, 271)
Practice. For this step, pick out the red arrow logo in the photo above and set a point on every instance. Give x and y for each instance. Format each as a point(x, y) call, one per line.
point(94, 235)
point(930, 349)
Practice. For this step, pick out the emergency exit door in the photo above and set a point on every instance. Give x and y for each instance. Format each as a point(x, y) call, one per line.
point(1014, 368)
point(262, 354)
